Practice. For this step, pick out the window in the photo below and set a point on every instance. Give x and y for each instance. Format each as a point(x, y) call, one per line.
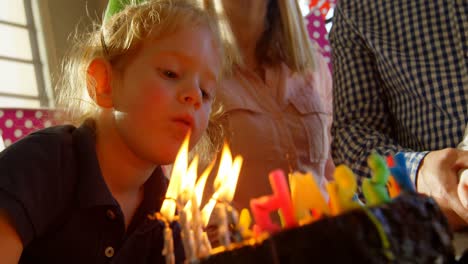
point(22, 79)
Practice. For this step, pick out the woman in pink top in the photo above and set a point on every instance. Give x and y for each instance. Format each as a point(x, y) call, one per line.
point(277, 105)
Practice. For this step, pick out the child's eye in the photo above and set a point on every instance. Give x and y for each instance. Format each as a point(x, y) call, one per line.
point(208, 90)
point(168, 74)
point(205, 94)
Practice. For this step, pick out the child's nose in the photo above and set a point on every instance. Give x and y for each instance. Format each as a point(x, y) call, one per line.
point(191, 95)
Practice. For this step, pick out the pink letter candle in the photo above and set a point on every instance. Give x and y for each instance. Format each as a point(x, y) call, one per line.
point(280, 200)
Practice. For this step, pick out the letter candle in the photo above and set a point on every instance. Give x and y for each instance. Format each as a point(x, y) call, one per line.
point(400, 173)
point(306, 196)
point(374, 189)
point(280, 200)
point(346, 188)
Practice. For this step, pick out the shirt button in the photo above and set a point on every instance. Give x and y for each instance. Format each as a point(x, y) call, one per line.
point(110, 214)
point(109, 252)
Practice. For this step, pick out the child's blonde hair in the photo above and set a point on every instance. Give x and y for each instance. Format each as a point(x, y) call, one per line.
point(121, 35)
point(284, 40)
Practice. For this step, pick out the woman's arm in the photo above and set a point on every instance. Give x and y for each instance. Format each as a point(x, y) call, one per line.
point(11, 246)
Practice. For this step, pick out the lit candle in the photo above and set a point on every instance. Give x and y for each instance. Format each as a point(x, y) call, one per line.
point(225, 186)
point(168, 249)
point(279, 201)
point(187, 237)
point(233, 221)
point(176, 196)
point(306, 196)
point(197, 228)
point(206, 242)
point(374, 189)
point(223, 229)
point(175, 184)
point(203, 244)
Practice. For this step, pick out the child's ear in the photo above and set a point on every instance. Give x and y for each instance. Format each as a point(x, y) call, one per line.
point(99, 76)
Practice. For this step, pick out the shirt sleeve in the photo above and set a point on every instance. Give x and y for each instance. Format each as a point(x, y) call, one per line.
point(361, 121)
point(413, 160)
point(28, 188)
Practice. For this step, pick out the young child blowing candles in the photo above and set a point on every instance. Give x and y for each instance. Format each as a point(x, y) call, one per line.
point(82, 193)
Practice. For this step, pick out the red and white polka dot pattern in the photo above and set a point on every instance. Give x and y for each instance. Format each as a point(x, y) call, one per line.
point(17, 123)
point(315, 23)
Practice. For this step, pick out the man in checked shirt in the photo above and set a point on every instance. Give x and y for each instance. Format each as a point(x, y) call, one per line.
point(401, 85)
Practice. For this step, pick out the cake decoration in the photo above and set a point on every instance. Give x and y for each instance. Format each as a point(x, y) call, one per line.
point(395, 225)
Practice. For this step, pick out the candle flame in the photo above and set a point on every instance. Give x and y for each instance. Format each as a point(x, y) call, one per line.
point(224, 166)
point(225, 182)
point(188, 182)
point(207, 210)
point(200, 187)
point(175, 184)
point(229, 186)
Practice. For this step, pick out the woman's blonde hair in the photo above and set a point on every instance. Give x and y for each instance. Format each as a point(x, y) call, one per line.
point(121, 35)
point(284, 40)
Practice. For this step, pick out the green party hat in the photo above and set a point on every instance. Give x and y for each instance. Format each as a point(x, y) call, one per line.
point(115, 6)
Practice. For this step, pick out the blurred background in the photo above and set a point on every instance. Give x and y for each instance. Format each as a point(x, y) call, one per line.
point(34, 36)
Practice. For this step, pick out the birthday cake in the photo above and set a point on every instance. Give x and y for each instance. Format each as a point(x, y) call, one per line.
point(409, 229)
point(395, 225)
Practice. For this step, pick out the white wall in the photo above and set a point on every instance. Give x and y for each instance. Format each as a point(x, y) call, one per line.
point(59, 19)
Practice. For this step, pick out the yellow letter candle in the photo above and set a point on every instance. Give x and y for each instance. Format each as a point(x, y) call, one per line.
point(306, 196)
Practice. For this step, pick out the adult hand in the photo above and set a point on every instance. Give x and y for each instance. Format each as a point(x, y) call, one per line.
point(438, 177)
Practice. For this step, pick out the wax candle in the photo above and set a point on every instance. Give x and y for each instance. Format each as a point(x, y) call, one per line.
point(334, 200)
point(206, 243)
point(279, 201)
point(346, 187)
point(374, 189)
point(393, 188)
point(233, 222)
point(222, 221)
point(187, 237)
point(306, 196)
point(245, 220)
point(197, 227)
point(168, 248)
